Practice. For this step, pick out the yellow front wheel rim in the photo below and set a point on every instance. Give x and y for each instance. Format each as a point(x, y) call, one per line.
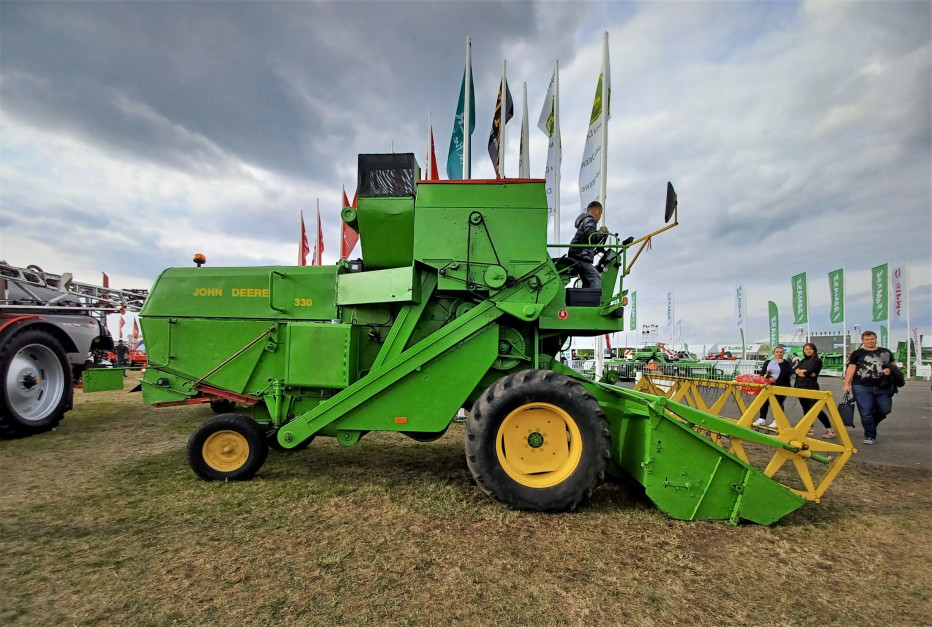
point(539, 445)
point(225, 451)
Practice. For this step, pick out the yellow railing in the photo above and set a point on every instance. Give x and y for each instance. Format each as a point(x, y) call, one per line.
point(726, 399)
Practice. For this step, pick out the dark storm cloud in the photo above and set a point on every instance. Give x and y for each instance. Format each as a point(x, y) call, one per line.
point(202, 86)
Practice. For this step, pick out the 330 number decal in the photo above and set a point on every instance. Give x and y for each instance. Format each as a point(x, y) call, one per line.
point(303, 302)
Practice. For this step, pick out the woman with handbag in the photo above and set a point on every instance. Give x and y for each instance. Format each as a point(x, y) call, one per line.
point(807, 378)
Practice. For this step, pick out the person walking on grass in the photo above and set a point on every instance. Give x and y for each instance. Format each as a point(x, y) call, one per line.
point(867, 366)
point(778, 372)
point(807, 378)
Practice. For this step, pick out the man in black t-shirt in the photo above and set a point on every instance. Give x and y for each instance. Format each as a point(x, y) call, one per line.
point(866, 366)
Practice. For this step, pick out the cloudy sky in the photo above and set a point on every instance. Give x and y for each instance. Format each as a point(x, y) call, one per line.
point(798, 134)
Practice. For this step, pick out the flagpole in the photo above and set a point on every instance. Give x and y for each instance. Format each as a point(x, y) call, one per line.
point(557, 153)
point(604, 96)
point(909, 329)
point(808, 329)
point(844, 318)
point(524, 166)
point(501, 126)
point(429, 155)
point(301, 239)
point(467, 169)
point(603, 174)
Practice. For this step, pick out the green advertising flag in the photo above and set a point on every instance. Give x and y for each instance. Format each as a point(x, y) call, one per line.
point(633, 325)
point(774, 325)
point(458, 138)
point(883, 336)
point(879, 280)
point(800, 300)
point(836, 286)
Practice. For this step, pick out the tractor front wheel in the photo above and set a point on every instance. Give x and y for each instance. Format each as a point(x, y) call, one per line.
point(538, 441)
point(229, 447)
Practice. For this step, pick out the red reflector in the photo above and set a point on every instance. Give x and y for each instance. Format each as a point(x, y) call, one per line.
point(563, 314)
point(401, 420)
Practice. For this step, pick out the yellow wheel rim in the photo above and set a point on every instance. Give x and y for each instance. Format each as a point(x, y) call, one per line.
point(539, 445)
point(225, 451)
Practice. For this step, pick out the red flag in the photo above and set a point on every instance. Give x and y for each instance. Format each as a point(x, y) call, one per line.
point(121, 327)
point(136, 328)
point(608, 342)
point(303, 248)
point(350, 237)
point(319, 244)
point(434, 174)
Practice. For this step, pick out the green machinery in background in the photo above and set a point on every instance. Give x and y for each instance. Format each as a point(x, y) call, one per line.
point(459, 304)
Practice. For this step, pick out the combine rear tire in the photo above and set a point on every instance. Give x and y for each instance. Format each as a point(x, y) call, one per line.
point(230, 447)
point(35, 383)
point(538, 441)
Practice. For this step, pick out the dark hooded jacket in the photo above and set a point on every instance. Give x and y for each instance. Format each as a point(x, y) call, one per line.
point(891, 383)
point(587, 232)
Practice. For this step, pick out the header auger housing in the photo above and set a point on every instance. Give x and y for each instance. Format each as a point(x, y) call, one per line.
point(458, 304)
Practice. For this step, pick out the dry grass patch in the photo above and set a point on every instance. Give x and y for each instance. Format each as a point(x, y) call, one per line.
point(102, 521)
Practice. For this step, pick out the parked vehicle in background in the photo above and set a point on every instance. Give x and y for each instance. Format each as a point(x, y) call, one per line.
point(137, 355)
point(49, 325)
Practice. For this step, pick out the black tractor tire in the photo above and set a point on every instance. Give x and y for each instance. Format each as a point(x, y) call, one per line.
point(537, 441)
point(229, 447)
point(36, 386)
point(222, 406)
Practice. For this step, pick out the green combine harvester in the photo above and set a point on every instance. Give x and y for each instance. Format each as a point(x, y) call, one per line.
point(458, 305)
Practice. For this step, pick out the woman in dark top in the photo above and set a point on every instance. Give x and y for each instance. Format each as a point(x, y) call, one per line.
point(807, 378)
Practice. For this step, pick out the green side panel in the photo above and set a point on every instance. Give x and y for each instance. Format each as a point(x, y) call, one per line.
point(387, 228)
point(103, 379)
point(427, 399)
point(321, 355)
point(450, 236)
point(392, 285)
point(193, 347)
point(482, 194)
point(307, 293)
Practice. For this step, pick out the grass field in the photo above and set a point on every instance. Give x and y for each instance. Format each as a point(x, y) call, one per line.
point(102, 522)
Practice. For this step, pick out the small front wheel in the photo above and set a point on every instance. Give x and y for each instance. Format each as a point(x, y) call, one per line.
point(230, 447)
